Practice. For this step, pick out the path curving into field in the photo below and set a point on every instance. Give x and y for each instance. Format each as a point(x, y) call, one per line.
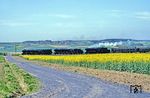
point(61, 84)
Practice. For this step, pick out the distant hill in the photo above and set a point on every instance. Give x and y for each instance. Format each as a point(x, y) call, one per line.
point(79, 41)
point(46, 44)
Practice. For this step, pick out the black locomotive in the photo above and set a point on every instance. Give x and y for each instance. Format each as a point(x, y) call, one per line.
point(37, 52)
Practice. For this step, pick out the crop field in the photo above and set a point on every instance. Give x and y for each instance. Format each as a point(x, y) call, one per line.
point(15, 82)
point(130, 62)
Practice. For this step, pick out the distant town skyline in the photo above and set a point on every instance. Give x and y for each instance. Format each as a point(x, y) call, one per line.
point(23, 20)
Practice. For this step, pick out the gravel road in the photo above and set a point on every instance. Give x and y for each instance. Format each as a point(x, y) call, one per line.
point(61, 84)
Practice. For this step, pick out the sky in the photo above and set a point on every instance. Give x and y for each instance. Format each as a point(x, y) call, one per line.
point(22, 20)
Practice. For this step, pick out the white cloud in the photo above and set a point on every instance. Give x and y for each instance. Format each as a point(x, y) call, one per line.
point(116, 13)
point(61, 16)
point(143, 15)
point(67, 24)
point(14, 24)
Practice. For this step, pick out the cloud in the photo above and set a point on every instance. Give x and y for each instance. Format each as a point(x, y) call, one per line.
point(54, 15)
point(115, 13)
point(67, 24)
point(143, 15)
point(14, 24)
point(61, 16)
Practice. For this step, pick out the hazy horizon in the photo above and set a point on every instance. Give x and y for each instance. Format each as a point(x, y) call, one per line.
point(24, 20)
point(67, 40)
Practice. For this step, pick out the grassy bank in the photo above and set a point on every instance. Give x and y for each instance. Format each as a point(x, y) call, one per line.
point(14, 81)
point(1, 59)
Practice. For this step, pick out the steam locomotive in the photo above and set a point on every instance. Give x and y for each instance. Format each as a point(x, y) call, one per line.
point(86, 51)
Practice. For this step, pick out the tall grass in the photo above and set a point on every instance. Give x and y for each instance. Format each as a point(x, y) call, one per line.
point(1, 59)
point(14, 81)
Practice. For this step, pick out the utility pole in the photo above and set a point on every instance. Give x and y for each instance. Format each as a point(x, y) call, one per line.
point(15, 48)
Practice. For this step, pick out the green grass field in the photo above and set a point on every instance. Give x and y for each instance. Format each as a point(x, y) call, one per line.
point(1, 59)
point(15, 82)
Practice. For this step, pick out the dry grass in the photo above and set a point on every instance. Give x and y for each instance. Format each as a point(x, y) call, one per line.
point(20, 79)
point(15, 82)
point(1, 71)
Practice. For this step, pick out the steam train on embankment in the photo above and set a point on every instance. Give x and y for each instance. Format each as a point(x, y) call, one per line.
point(85, 51)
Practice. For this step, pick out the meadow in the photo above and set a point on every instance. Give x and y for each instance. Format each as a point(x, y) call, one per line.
point(1, 59)
point(14, 81)
point(129, 62)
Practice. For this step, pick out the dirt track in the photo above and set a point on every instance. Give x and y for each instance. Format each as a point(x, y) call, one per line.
point(61, 84)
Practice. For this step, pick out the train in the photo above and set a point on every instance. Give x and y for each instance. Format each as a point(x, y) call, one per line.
point(37, 52)
point(83, 51)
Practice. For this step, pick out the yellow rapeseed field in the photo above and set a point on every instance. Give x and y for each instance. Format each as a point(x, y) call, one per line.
point(133, 62)
point(119, 57)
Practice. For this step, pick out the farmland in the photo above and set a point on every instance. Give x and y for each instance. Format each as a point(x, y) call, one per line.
point(1, 59)
point(135, 62)
point(14, 81)
point(47, 44)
